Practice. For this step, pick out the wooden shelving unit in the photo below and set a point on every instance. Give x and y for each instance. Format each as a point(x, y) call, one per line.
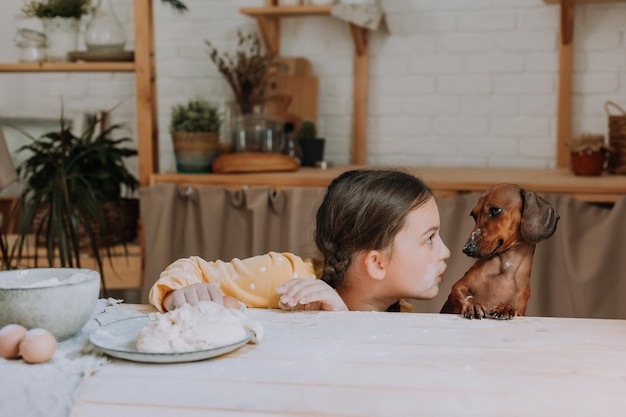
point(566, 55)
point(143, 67)
point(127, 269)
point(268, 19)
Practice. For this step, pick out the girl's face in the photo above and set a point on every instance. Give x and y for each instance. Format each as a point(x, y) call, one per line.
point(418, 256)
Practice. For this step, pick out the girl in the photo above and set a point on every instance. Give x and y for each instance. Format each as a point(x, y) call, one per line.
point(378, 235)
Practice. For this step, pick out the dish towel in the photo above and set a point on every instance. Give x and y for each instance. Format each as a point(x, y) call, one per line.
point(364, 15)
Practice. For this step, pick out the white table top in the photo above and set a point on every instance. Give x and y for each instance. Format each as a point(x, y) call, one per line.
point(382, 364)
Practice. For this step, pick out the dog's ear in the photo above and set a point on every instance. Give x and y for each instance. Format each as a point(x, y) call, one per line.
point(539, 218)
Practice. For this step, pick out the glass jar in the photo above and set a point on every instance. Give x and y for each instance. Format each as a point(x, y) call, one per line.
point(105, 32)
point(31, 45)
point(258, 132)
point(29, 51)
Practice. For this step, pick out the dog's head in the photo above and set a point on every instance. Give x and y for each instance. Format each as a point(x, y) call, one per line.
point(506, 215)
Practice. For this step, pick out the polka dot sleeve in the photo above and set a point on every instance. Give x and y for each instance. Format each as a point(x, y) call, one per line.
point(252, 281)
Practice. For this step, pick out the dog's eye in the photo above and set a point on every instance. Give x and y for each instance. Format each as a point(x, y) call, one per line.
point(495, 211)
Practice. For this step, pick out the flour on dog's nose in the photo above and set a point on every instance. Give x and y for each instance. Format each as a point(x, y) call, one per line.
point(507, 264)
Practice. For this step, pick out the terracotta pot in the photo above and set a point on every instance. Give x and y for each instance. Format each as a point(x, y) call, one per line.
point(588, 162)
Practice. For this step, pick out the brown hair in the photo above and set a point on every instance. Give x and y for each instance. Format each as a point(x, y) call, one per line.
point(363, 210)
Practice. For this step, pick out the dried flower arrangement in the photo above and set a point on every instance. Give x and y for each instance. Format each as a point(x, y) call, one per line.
point(588, 142)
point(246, 72)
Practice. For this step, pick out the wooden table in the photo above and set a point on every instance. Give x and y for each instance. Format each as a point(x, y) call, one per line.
point(445, 181)
point(382, 364)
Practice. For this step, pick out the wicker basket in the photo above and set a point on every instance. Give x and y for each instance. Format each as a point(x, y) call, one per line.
point(617, 139)
point(121, 218)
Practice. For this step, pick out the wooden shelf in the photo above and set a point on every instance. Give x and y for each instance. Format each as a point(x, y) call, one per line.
point(268, 20)
point(144, 69)
point(287, 11)
point(582, 1)
point(445, 181)
point(68, 67)
point(566, 57)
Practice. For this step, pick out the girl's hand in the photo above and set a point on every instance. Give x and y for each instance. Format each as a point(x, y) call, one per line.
point(195, 293)
point(309, 294)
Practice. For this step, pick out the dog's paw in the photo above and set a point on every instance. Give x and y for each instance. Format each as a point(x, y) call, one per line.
point(502, 312)
point(472, 310)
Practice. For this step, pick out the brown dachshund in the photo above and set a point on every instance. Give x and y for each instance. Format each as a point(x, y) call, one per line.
point(510, 221)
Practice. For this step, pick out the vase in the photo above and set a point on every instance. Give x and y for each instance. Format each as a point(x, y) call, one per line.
point(105, 32)
point(62, 36)
point(258, 132)
point(195, 151)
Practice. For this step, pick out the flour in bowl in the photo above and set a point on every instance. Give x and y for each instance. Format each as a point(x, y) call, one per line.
point(201, 327)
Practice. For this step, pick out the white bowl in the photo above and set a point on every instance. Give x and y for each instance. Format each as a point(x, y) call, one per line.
point(60, 300)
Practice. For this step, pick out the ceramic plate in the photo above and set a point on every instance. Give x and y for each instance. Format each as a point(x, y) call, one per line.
point(117, 339)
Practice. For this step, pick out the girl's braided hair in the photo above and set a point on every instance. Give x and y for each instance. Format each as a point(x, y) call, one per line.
point(363, 210)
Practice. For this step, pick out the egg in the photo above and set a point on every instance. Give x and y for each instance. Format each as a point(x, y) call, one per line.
point(38, 346)
point(10, 337)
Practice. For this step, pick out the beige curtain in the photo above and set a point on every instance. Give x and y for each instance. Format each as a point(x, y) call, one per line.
point(7, 171)
point(579, 272)
point(216, 223)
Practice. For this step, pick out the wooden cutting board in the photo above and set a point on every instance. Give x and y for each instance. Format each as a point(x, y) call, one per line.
point(293, 91)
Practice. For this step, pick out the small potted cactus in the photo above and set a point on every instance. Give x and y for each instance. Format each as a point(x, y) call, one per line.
point(312, 146)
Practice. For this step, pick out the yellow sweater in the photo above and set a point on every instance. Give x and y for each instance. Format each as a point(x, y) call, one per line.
point(252, 281)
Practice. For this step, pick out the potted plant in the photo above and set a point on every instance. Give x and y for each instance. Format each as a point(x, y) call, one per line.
point(72, 197)
point(312, 147)
point(61, 23)
point(588, 154)
point(194, 127)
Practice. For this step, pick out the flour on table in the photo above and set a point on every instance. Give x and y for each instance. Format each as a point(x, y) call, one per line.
point(188, 329)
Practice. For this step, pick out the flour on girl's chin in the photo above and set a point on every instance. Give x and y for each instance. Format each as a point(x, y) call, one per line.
point(201, 327)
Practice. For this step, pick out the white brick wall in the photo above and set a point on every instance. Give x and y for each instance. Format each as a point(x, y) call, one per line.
point(452, 82)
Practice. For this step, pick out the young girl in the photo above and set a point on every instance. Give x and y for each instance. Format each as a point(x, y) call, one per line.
point(378, 235)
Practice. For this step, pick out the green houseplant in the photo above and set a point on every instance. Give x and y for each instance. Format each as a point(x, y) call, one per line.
point(45, 9)
point(194, 127)
point(72, 197)
point(61, 23)
point(42, 9)
point(312, 147)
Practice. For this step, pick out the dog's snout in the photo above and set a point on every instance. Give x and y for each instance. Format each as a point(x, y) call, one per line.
point(470, 248)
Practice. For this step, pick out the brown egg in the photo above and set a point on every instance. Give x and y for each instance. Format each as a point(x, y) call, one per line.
point(37, 346)
point(10, 337)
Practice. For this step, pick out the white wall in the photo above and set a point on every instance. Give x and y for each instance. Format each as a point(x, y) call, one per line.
point(452, 82)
